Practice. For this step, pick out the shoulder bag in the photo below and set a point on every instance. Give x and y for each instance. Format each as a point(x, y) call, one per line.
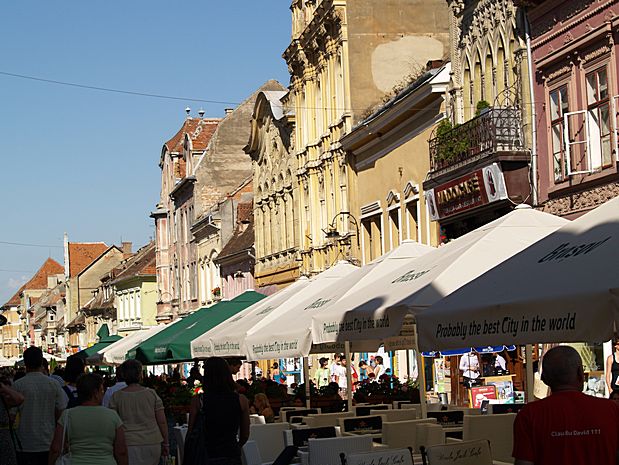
point(14, 438)
point(195, 442)
point(65, 457)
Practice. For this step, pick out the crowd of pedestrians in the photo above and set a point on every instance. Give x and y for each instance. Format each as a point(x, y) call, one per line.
point(73, 418)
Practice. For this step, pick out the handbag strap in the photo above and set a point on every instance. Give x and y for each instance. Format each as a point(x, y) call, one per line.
point(65, 431)
point(12, 432)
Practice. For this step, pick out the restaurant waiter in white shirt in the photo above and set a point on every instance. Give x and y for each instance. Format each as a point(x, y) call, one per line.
point(469, 366)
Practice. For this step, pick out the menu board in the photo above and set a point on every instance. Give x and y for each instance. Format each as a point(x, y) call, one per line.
point(478, 394)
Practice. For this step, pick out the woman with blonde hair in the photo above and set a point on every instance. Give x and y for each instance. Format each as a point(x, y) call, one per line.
point(261, 406)
point(143, 416)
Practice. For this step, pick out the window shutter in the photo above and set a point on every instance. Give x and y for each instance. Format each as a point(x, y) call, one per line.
point(577, 148)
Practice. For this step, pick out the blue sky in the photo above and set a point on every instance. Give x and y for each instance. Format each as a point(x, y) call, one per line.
point(85, 161)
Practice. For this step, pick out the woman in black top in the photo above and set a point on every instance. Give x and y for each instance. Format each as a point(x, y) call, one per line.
point(226, 414)
point(612, 368)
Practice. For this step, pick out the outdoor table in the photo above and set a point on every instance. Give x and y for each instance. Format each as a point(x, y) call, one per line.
point(180, 432)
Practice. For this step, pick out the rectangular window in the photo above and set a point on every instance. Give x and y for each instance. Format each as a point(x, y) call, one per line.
point(413, 221)
point(598, 110)
point(372, 237)
point(559, 105)
point(394, 227)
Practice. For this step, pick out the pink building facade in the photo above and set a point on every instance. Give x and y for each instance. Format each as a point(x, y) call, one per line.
point(576, 93)
point(174, 215)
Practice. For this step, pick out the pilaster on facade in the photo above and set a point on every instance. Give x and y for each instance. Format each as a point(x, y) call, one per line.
point(276, 197)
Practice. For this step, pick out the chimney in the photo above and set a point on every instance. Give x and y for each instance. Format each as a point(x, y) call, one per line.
point(126, 247)
point(229, 110)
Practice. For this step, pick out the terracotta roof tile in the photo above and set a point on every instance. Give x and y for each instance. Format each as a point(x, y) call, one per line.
point(243, 237)
point(39, 280)
point(201, 135)
point(143, 263)
point(82, 254)
point(245, 212)
point(15, 300)
point(200, 130)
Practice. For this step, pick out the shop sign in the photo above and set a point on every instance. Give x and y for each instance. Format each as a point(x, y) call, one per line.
point(472, 190)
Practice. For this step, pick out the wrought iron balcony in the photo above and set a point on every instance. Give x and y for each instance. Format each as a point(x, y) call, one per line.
point(495, 130)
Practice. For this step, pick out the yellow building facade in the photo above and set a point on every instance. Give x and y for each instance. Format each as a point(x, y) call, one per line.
point(344, 58)
point(390, 156)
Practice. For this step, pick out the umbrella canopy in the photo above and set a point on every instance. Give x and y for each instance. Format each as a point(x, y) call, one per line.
point(285, 331)
point(115, 353)
point(173, 344)
point(92, 350)
point(563, 288)
point(377, 310)
point(7, 362)
point(226, 339)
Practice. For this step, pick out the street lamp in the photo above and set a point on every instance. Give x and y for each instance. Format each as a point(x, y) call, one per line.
point(333, 233)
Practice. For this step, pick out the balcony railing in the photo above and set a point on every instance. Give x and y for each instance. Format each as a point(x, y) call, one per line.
point(496, 130)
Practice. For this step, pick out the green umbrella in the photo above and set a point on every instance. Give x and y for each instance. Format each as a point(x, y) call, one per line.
point(102, 344)
point(173, 344)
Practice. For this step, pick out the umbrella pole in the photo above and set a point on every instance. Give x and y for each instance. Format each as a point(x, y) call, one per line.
point(421, 376)
point(348, 375)
point(528, 358)
point(307, 381)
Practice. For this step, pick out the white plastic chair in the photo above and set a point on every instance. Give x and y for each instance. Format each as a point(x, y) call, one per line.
point(327, 451)
point(257, 420)
point(397, 434)
point(415, 407)
point(429, 434)
point(371, 407)
point(269, 439)
point(461, 453)
point(391, 456)
point(371, 418)
point(498, 429)
point(250, 455)
point(396, 415)
point(326, 419)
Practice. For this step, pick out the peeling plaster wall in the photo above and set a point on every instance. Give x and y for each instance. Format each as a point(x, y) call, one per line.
point(390, 40)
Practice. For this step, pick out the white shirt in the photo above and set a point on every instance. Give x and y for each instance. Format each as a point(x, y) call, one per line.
point(500, 362)
point(110, 391)
point(469, 364)
point(379, 370)
point(340, 372)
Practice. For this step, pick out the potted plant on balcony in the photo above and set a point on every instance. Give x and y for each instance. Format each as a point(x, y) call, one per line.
point(450, 143)
point(482, 107)
point(216, 293)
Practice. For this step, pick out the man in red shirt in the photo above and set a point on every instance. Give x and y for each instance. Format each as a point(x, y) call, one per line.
point(568, 427)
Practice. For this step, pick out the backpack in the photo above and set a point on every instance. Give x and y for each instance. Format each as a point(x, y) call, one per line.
point(72, 395)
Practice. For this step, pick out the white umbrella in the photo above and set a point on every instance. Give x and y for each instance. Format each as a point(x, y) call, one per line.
point(6, 362)
point(377, 311)
point(293, 320)
point(287, 333)
point(564, 288)
point(115, 353)
point(226, 339)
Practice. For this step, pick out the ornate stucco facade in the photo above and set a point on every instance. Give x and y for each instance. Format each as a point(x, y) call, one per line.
point(276, 191)
point(486, 141)
point(343, 58)
point(575, 58)
point(488, 57)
